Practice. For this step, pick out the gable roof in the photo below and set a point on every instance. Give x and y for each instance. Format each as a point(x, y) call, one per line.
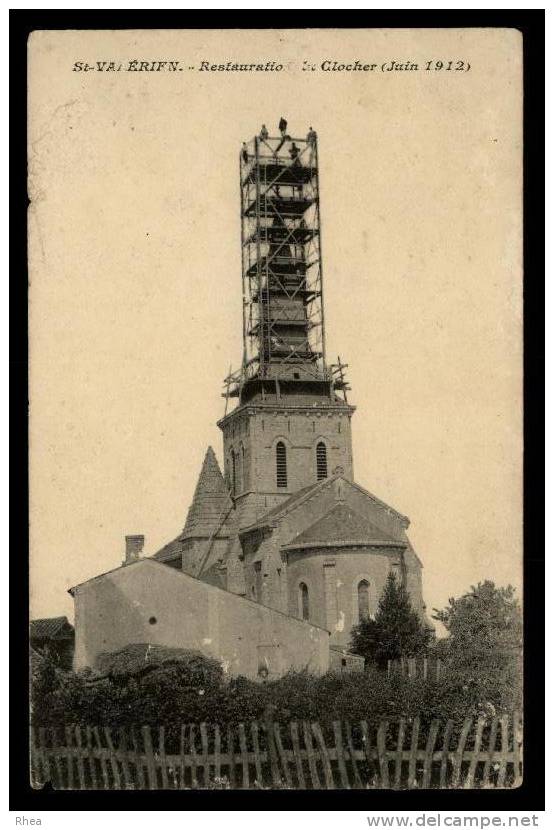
point(342, 526)
point(210, 501)
point(287, 505)
point(50, 627)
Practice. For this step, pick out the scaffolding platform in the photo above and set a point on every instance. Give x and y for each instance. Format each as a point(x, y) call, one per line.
point(285, 172)
point(272, 205)
point(280, 233)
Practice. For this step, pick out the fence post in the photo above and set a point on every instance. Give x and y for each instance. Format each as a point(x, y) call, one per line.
point(113, 759)
point(69, 746)
point(476, 750)
point(413, 753)
point(231, 752)
point(399, 750)
point(256, 747)
point(382, 753)
point(429, 749)
point(324, 755)
point(352, 752)
point(340, 755)
point(163, 760)
point(297, 756)
point(445, 752)
point(282, 754)
point(150, 762)
point(217, 752)
point(505, 751)
point(91, 758)
point(517, 741)
point(492, 745)
point(128, 782)
point(458, 758)
point(308, 743)
point(244, 754)
point(270, 736)
point(205, 752)
point(103, 762)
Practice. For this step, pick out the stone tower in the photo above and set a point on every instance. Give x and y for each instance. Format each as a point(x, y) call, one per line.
point(291, 428)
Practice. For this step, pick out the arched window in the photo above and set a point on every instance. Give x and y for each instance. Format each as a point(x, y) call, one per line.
point(321, 460)
point(304, 601)
point(233, 473)
point(243, 468)
point(281, 464)
point(363, 599)
point(240, 469)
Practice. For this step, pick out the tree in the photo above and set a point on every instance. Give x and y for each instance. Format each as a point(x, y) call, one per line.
point(484, 626)
point(396, 631)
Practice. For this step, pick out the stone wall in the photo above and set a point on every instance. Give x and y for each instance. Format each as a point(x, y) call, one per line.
point(258, 429)
point(332, 577)
point(147, 602)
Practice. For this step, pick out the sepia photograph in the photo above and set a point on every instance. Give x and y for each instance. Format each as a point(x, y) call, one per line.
point(276, 409)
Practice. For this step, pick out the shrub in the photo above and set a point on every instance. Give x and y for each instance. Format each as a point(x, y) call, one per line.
point(396, 631)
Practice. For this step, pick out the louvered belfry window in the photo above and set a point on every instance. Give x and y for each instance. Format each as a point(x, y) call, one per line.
point(281, 464)
point(321, 460)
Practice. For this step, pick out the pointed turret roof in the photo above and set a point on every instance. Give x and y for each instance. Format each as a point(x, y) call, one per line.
point(210, 502)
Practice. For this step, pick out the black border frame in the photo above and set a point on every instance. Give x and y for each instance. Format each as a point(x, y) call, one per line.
point(529, 797)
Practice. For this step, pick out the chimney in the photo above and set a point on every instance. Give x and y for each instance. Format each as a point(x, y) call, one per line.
point(133, 548)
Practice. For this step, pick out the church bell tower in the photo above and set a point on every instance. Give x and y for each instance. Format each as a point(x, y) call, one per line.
point(291, 425)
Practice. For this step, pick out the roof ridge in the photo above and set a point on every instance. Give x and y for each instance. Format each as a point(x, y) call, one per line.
point(292, 503)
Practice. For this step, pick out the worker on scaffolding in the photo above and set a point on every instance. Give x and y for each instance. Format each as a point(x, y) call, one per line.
point(264, 135)
point(284, 136)
point(244, 152)
point(294, 153)
point(311, 140)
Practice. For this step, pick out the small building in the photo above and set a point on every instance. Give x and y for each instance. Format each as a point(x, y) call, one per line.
point(53, 637)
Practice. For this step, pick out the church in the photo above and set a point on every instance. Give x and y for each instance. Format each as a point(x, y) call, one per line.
point(282, 551)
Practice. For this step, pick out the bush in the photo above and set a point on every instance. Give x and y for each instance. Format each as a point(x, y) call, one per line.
point(175, 693)
point(396, 631)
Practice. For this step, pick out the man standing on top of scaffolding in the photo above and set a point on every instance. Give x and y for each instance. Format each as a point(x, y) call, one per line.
point(244, 152)
point(284, 136)
point(264, 135)
point(311, 139)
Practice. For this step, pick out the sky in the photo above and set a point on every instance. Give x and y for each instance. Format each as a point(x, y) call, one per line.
point(135, 296)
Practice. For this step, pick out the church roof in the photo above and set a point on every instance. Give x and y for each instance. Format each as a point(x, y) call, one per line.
point(285, 506)
point(207, 514)
point(342, 526)
point(210, 502)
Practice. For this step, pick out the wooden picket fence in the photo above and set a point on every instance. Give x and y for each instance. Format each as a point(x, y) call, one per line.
point(424, 668)
point(357, 755)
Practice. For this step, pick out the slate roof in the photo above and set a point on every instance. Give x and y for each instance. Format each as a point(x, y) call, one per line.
point(284, 506)
point(206, 514)
point(342, 526)
point(210, 501)
point(171, 551)
point(50, 627)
